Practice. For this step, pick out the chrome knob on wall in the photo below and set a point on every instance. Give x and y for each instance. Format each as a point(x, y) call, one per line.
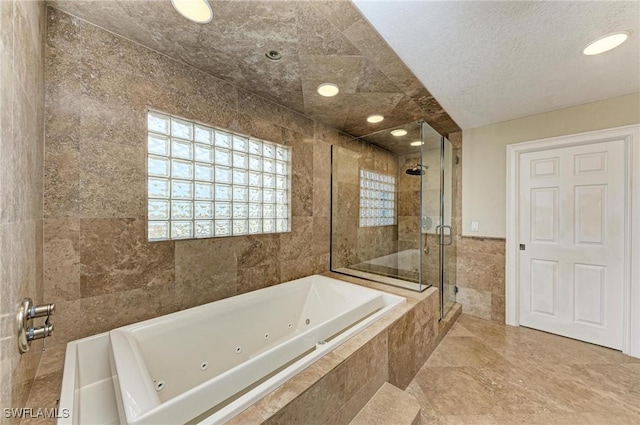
point(26, 312)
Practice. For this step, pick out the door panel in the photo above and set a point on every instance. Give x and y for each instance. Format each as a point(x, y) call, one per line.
point(571, 223)
point(544, 214)
point(544, 284)
point(589, 289)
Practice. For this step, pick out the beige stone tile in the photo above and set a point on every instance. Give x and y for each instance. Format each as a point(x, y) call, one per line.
point(474, 302)
point(51, 360)
point(546, 379)
point(389, 405)
point(62, 182)
point(258, 277)
point(115, 256)
point(207, 289)
point(402, 351)
point(303, 266)
point(481, 272)
point(486, 246)
point(260, 108)
point(456, 351)
point(302, 194)
point(112, 180)
point(298, 242)
point(249, 125)
point(613, 384)
point(536, 419)
point(345, 415)
point(66, 326)
point(197, 260)
point(252, 415)
point(27, 40)
point(45, 391)
point(256, 250)
point(298, 123)
point(459, 330)
point(105, 312)
point(61, 259)
point(321, 241)
point(450, 389)
point(322, 160)
point(530, 346)
point(109, 121)
point(318, 404)
point(497, 308)
point(24, 369)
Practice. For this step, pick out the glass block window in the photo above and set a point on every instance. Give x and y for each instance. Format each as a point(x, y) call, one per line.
point(377, 199)
point(206, 182)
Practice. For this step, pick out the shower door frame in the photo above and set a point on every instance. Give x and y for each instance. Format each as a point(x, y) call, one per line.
point(441, 235)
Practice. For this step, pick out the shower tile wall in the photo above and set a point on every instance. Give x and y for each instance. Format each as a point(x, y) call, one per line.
point(353, 244)
point(98, 266)
point(408, 204)
point(21, 150)
point(409, 211)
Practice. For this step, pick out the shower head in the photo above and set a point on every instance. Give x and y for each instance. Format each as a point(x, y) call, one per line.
point(417, 170)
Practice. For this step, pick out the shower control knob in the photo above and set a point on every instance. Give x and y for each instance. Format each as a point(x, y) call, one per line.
point(41, 310)
point(39, 332)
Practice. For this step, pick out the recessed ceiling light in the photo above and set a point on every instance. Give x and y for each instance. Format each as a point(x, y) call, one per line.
point(416, 143)
point(606, 43)
point(375, 118)
point(399, 132)
point(328, 89)
point(195, 10)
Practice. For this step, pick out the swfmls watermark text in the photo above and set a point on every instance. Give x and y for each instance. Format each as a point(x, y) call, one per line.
point(35, 413)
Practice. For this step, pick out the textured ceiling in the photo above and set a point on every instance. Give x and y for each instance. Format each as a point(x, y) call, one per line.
point(320, 41)
point(488, 61)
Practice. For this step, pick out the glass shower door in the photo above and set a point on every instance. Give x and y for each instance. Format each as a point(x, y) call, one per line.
point(438, 211)
point(448, 251)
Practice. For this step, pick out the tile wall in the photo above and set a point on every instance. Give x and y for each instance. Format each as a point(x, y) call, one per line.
point(21, 149)
point(353, 244)
point(98, 265)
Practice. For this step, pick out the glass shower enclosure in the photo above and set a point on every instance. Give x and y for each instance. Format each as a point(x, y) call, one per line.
point(393, 209)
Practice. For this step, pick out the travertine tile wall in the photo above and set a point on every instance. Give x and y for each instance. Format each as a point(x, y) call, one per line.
point(353, 244)
point(409, 214)
point(21, 148)
point(98, 266)
point(408, 204)
point(481, 263)
point(480, 266)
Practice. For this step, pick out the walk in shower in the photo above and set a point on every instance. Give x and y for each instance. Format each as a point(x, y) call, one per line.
point(393, 209)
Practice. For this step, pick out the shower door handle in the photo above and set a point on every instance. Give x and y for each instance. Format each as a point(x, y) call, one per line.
point(442, 236)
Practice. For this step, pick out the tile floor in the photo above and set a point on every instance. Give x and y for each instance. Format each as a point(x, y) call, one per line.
point(486, 373)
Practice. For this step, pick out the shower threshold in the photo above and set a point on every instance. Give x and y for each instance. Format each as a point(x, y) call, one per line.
point(382, 279)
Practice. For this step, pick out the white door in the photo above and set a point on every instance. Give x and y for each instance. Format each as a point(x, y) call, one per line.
point(571, 227)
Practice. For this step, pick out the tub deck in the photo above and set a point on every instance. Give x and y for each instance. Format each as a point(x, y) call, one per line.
point(135, 359)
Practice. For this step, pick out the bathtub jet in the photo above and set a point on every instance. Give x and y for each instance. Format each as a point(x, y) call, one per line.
point(417, 170)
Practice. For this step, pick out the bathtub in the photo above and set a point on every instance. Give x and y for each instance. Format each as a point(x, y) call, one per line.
point(207, 364)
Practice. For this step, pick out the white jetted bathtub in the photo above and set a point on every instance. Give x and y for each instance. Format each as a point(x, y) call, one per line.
point(207, 364)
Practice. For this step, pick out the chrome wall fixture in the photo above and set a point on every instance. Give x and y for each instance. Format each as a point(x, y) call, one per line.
point(26, 312)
